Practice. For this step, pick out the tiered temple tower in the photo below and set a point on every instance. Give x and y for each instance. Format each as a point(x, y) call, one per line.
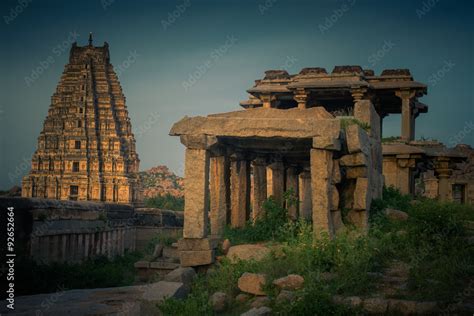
point(86, 150)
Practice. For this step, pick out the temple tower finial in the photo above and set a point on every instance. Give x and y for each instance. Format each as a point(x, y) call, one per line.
point(90, 38)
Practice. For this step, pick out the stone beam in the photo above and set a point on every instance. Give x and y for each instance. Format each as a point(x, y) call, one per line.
point(196, 192)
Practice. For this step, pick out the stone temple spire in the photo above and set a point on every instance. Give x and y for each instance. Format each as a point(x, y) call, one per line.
point(86, 150)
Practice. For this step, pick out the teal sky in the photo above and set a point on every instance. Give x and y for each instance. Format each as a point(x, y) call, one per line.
point(190, 57)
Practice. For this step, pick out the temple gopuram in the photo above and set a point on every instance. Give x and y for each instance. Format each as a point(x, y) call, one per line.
point(86, 150)
point(315, 134)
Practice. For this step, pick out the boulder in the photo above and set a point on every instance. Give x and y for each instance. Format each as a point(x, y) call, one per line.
point(260, 301)
point(285, 297)
point(395, 215)
point(247, 252)
point(218, 301)
point(261, 311)
point(183, 275)
point(226, 246)
point(290, 282)
point(242, 298)
point(157, 251)
point(252, 283)
point(375, 305)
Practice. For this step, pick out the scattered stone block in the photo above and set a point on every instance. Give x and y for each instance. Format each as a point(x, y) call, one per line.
point(327, 143)
point(357, 139)
point(354, 160)
point(336, 172)
point(247, 252)
point(260, 301)
point(196, 258)
point(375, 305)
point(183, 275)
point(157, 251)
point(218, 301)
point(252, 283)
point(401, 306)
point(395, 215)
point(261, 311)
point(142, 264)
point(164, 265)
point(242, 298)
point(290, 282)
point(285, 297)
point(226, 246)
point(358, 218)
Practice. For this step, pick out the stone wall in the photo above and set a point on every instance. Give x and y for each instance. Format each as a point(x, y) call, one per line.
point(69, 231)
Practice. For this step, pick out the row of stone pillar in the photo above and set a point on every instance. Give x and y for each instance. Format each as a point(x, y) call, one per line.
point(77, 247)
point(238, 188)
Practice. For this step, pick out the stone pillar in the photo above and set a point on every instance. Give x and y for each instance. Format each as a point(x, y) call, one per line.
point(196, 193)
point(321, 171)
point(240, 191)
point(278, 181)
point(301, 98)
point(444, 173)
point(292, 184)
point(407, 126)
point(267, 100)
point(219, 192)
point(305, 195)
point(259, 187)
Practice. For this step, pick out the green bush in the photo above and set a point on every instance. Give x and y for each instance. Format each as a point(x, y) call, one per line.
point(34, 278)
point(166, 202)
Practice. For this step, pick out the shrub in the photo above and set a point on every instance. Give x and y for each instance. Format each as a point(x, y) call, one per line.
point(166, 202)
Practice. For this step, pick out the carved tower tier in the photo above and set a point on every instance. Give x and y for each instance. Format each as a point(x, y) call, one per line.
point(86, 150)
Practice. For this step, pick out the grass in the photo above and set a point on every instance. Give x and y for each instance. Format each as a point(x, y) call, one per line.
point(431, 244)
point(34, 278)
point(345, 122)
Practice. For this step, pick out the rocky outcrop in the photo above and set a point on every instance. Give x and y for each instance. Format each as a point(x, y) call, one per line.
point(159, 181)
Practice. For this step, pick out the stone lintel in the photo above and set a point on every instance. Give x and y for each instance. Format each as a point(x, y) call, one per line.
point(198, 141)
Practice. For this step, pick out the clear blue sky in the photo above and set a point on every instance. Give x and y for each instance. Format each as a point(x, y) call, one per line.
point(166, 42)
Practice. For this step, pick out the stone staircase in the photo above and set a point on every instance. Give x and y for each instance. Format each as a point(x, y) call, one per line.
point(164, 260)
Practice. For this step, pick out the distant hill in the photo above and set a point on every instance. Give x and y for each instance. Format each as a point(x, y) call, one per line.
point(160, 181)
